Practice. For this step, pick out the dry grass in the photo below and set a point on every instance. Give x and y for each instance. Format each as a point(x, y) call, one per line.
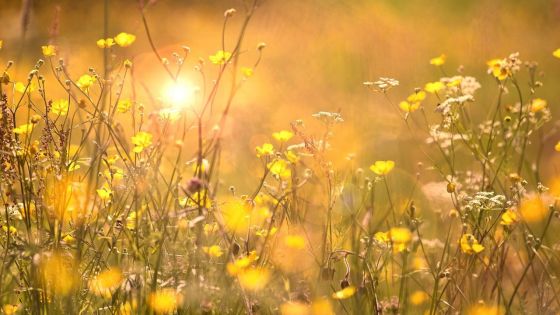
point(114, 201)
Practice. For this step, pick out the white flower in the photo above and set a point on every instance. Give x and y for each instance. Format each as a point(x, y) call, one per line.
point(383, 84)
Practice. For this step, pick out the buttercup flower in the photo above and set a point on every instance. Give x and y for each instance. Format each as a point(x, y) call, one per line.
point(124, 39)
point(220, 57)
point(382, 167)
point(141, 141)
point(470, 245)
point(439, 60)
point(49, 50)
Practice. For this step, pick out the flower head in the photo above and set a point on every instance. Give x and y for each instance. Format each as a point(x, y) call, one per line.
point(106, 282)
point(141, 141)
point(21, 87)
point(105, 43)
point(509, 217)
point(439, 60)
point(85, 82)
point(49, 50)
point(280, 168)
point(220, 57)
point(254, 279)
point(533, 209)
point(265, 149)
point(124, 105)
point(470, 245)
point(345, 293)
point(538, 104)
point(283, 136)
point(124, 39)
point(382, 167)
point(164, 301)
point(400, 237)
point(60, 107)
point(409, 107)
point(24, 129)
point(214, 251)
point(382, 85)
point(247, 72)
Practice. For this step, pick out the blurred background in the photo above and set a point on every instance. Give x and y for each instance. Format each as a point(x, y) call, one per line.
point(317, 56)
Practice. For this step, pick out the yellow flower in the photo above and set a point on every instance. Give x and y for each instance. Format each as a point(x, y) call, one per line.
point(283, 136)
point(213, 251)
point(123, 106)
point(141, 141)
point(470, 245)
point(60, 107)
point(238, 265)
point(482, 309)
point(419, 263)
point(125, 39)
point(509, 217)
point(416, 97)
point(247, 72)
point(59, 273)
point(49, 50)
point(85, 82)
point(382, 167)
point(418, 297)
point(236, 216)
point(439, 60)
point(68, 239)
point(291, 156)
point(220, 57)
point(400, 237)
point(265, 149)
point(105, 43)
point(434, 87)
point(73, 166)
point(537, 105)
point(320, 306)
point(104, 193)
point(254, 279)
point(164, 301)
point(280, 168)
point(495, 67)
point(114, 174)
point(295, 308)
point(266, 232)
point(106, 282)
point(408, 107)
point(11, 229)
point(9, 309)
point(382, 237)
point(1, 44)
point(533, 209)
point(295, 241)
point(344, 293)
point(455, 82)
point(557, 146)
point(24, 129)
point(555, 53)
point(21, 87)
point(131, 220)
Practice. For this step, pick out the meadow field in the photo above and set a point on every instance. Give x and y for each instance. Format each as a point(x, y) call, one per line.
point(310, 157)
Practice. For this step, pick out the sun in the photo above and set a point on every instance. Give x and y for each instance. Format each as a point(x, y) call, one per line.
point(179, 93)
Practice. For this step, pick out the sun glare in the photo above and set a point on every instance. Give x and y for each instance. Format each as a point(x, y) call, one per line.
point(179, 94)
